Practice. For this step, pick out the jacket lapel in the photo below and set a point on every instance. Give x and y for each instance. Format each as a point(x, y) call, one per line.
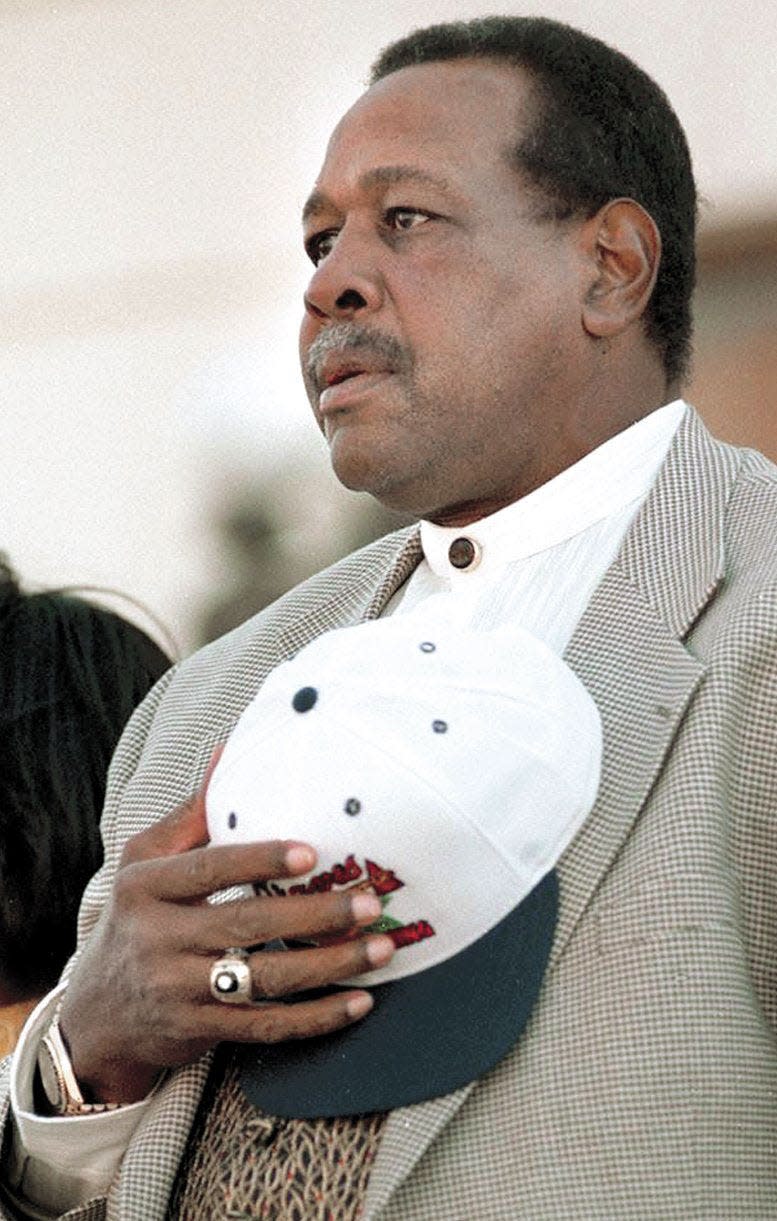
point(142, 1188)
point(363, 588)
point(407, 1134)
point(628, 648)
point(628, 651)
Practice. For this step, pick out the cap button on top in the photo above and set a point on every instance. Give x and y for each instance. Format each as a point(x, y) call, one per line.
point(464, 553)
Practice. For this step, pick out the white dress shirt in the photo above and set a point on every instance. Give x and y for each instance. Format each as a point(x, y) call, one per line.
point(539, 561)
point(542, 557)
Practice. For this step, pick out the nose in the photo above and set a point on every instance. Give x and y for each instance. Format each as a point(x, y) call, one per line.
point(346, 283)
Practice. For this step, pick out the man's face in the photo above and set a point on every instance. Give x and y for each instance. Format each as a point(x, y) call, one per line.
point(442, 344)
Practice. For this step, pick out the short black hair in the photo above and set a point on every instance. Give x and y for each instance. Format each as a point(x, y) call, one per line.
point(71, 674)
point(603, 129)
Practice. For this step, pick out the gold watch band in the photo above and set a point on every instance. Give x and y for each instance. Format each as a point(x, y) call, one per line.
point(58, 1079)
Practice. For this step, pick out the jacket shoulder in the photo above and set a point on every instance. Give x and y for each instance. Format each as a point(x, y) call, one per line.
point(337, 594)
point(750, 537)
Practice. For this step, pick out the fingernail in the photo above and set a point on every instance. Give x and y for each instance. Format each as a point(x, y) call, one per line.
point(357, 1006)
point(299, 858)
point(365, 908)
point(379, 950)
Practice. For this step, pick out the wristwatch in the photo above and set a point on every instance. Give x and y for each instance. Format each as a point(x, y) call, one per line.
point(58, 1079)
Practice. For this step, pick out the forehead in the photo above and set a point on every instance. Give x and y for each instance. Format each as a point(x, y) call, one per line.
point(445, 119)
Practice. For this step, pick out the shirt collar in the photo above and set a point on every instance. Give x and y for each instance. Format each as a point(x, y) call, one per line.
point(608, 479)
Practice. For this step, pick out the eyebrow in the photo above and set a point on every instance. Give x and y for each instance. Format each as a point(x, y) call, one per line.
point(381, 176)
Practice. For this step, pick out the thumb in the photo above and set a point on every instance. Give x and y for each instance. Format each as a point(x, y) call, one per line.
point(183, 828)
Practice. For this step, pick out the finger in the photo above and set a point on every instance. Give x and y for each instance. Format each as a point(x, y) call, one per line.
point(183, 828)
point(172, 984)
point(202, 871)
point(279, 973)
point(276, 1022)
point(252, 921)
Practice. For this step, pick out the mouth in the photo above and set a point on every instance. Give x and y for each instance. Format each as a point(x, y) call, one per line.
point(338, 376)
point(342, 380)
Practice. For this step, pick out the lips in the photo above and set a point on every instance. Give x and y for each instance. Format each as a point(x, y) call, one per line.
point(343, 377)
point(340, 367)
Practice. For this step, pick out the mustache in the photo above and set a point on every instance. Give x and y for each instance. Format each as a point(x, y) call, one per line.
point(351, 337)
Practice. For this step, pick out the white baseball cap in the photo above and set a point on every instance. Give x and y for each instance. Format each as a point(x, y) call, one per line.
point(446, 770)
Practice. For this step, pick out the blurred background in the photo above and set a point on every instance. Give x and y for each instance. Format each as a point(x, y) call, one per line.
point(154, 157)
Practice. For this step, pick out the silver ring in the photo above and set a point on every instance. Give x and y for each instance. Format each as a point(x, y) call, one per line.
point(230, 978)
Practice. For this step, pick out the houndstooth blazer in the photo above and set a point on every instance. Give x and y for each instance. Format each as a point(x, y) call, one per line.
point(646, 1083)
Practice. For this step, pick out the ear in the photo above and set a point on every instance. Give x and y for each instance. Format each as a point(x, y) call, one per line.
point(624, 248)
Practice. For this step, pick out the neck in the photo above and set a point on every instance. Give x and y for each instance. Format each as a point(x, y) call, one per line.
point(591, 426)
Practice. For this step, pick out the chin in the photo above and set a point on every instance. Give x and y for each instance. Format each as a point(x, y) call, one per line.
point(375, 480)
point(357, 466)
point(391, 473)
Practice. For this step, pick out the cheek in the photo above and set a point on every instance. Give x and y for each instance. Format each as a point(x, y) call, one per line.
point(469, 308)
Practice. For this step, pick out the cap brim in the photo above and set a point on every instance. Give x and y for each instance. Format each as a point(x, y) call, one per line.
point(427, 1035)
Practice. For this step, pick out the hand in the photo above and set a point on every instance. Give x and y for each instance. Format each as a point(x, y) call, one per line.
point(139, 999)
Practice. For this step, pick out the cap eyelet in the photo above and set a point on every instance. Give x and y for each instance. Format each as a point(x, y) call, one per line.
point(304, 699)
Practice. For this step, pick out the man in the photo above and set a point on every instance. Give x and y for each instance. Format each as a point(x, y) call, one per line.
point(495, 334)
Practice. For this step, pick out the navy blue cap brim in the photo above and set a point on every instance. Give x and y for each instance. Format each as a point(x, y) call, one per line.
point(427, 1035)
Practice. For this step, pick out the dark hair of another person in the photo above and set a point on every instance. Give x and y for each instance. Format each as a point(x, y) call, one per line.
point(603, 130)
point(71, 674)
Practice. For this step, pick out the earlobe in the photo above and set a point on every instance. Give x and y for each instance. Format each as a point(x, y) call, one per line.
point(625, 252)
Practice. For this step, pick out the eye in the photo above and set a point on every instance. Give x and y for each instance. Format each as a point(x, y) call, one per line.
point(320, 245)
point(404, 219)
